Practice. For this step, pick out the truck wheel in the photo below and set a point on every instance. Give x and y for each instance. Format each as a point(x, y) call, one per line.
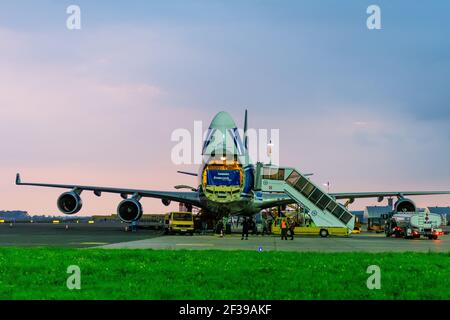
point(434, 237)
point(323, 233)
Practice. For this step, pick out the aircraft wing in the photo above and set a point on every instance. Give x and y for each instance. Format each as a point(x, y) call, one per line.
point(270, 200)
point(185, 197)
point(276, 199)
point(356, 195)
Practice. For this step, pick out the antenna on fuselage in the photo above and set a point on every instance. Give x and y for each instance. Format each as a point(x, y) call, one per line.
point(245, 130)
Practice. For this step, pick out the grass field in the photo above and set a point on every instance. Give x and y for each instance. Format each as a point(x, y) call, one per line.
point(41, 273)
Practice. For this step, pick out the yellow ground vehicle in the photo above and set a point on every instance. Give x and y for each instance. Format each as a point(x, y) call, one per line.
point(307, 227)
point(179, 222)
point(376, 224)
point(358, 225)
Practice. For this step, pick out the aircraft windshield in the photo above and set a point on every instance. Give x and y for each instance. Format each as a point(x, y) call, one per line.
point(182, 216)
point(223, 142)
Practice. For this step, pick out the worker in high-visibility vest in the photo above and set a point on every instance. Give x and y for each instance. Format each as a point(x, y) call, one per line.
point(284, 229)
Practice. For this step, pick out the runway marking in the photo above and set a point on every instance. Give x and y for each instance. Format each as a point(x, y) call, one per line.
point(92, 243)
point(195, 244)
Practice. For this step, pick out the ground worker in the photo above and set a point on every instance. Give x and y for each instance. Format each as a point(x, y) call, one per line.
point(228, 227)
point(245, 227)
point(292, 228)
point(253, 226)
point(265, 227)
point(204, 227)
point(284, 228)
point(222, 226)
point(219, 228)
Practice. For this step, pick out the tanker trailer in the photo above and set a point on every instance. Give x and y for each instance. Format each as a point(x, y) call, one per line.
point(412, 225)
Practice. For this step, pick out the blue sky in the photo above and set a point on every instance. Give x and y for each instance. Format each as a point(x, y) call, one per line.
point(366, 110)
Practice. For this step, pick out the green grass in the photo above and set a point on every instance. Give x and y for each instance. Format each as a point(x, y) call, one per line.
point(40, 273)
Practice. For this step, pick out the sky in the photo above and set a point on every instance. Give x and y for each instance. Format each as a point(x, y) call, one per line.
point(366, 110)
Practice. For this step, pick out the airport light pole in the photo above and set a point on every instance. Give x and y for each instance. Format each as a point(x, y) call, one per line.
point(269, 151)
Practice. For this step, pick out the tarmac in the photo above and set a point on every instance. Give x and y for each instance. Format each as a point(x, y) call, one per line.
point(77, 236)
point(113, 236)
point(363, 242)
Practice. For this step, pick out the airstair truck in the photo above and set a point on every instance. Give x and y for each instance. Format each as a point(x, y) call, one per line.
point(410, 225)
point(322, 208)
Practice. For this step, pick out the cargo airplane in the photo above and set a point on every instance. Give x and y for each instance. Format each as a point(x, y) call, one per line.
point(226, 186)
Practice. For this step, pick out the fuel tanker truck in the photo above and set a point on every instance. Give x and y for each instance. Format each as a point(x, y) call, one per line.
point(410, 225)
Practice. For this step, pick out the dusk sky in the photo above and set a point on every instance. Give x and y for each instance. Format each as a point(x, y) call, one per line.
point(367, 110)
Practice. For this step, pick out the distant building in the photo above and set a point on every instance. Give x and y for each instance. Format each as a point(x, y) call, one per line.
point(360, 215)
point(14, 215)
point(157, 218)
point(444, 211)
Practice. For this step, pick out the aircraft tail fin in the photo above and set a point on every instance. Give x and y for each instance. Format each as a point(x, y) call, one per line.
point(18, 180)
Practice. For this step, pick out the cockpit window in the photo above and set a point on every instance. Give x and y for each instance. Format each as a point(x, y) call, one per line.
point(221, 142)
point(209, 138)
point(237, 141)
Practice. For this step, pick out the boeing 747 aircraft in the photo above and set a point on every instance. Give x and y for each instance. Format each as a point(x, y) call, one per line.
point(226, 186)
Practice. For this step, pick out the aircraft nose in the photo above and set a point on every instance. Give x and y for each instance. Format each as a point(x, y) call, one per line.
point(222, 120)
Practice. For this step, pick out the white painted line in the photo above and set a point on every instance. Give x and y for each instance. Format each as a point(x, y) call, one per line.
point(195, 244)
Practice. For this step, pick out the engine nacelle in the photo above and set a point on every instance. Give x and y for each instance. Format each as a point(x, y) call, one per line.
point(69, 202)
point(129, 210)
point(165, 202)
point(405, 205)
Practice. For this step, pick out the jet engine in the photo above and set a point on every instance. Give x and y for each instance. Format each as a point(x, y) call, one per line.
point(129, 210)
point(165, 202)
point(404, 205)
point(69, 202)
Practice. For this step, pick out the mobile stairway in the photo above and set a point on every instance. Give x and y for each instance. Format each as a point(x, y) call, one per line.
point(323, 209)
